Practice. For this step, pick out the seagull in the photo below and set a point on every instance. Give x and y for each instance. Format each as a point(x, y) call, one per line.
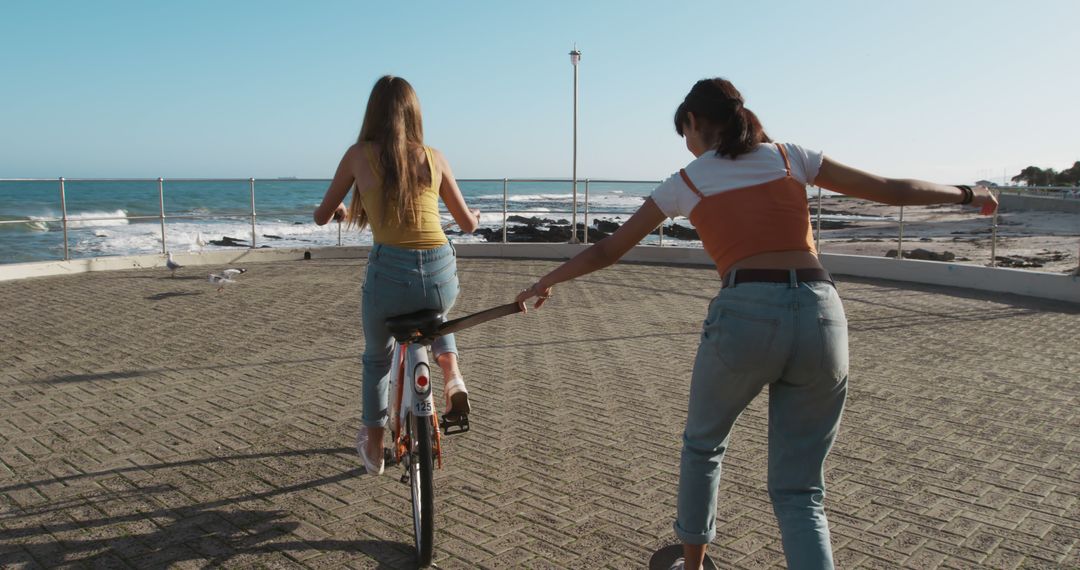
point(230, 273)
point(220, 280)
point(172, 265)
point(199, 241)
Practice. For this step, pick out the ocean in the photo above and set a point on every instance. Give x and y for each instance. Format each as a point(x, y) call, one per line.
point(200, 211)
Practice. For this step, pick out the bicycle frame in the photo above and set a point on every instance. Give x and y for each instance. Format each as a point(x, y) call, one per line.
point(410, 387)
point(415, 426)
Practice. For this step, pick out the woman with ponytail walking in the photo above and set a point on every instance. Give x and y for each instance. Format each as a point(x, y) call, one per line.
point(777, 321)
point(396, 183)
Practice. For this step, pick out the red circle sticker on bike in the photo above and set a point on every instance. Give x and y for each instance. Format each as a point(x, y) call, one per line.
point(421, 383)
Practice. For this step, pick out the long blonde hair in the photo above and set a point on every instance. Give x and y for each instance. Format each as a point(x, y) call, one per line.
point(392, 122)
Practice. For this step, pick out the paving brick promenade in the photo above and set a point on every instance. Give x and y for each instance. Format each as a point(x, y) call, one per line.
point(149, 422)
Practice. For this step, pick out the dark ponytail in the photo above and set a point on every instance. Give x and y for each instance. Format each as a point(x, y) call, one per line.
point(719, 112)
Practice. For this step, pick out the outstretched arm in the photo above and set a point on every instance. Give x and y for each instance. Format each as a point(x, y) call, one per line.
point(894, 191)
point(601, 254)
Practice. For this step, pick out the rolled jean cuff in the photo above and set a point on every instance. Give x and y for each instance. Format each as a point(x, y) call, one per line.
point(380, 423)
point(443, 345)
point(694, 537)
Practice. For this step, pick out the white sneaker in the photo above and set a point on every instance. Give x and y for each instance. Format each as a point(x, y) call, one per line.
point(457, 397)
point(361, 445)
point(679, 564)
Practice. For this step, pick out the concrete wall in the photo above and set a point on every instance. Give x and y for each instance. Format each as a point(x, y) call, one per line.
point(1045, 203)
point(222, 258)
point(993, 279)
point(1016, 281)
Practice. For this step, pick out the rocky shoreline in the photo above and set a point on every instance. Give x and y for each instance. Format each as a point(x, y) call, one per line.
point(546, 230)
point(1047, 241)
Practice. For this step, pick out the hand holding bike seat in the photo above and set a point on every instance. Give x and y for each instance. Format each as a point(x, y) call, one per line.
point(537, 290)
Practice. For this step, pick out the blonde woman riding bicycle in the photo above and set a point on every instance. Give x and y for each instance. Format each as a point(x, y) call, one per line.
point(396, 182)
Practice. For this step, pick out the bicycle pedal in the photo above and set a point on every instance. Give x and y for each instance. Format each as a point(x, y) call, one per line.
point(388, 457)
point(451, 425)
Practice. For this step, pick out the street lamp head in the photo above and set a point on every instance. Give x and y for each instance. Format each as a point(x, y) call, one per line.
point(575, 56)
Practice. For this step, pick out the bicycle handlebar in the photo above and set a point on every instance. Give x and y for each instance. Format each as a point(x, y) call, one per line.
point(453, 223)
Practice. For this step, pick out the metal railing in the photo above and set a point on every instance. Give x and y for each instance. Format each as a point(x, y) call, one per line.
point(163, 217)
point(1063, 192)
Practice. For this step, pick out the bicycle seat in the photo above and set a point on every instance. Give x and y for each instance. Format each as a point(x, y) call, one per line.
point(404, 328)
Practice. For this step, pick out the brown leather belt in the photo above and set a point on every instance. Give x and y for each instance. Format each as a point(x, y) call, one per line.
point(737, 276)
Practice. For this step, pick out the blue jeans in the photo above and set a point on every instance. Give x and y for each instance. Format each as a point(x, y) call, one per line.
point(400, 281)
point(792, 339)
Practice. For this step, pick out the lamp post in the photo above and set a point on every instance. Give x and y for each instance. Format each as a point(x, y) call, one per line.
point(575, 58)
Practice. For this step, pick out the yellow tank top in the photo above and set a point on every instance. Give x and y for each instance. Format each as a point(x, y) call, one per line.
point(420, 230)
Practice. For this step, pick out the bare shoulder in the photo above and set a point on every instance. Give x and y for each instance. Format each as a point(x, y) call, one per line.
point(358, 149)
point(441, 163)
point(357, 156)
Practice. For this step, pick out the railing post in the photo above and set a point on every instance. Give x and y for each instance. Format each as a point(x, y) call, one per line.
point(252, 182)
point(64, 218)
point(339, 233)
point(504, 211)
point(586, 230)
point(660, 229)
point(817, 223)
point(993, 235)
point(573, 215)
point(1077, 272)
point(900, 238)
point(161, 211)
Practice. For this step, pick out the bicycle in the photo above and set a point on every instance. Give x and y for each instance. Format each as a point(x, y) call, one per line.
point(419, 446)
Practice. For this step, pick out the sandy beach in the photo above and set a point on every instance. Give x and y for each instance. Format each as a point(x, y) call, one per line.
point(1029, 239)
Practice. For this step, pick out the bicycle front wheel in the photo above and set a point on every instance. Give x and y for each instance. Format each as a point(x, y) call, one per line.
point(420, 481)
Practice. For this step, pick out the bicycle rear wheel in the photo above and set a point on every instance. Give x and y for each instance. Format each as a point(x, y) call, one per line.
point(420, 482)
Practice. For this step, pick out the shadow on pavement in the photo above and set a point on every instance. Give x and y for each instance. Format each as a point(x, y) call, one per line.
point(171, 294)
point(135, 527)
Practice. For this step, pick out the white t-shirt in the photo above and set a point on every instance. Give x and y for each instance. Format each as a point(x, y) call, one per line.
point(713, 174)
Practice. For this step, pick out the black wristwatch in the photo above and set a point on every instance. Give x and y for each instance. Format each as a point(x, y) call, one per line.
point(969, 194)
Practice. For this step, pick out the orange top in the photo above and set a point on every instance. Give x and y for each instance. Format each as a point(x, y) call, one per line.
point(740, 223)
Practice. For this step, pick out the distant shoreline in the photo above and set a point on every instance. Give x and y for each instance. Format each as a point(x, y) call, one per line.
point(1028, 239)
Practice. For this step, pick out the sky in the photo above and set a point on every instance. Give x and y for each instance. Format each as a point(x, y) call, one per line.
point(945, 90)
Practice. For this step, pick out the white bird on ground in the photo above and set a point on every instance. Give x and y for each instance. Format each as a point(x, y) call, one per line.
point(172, 265)
point(220, 280)
point(199, 241)
point(230, 273)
